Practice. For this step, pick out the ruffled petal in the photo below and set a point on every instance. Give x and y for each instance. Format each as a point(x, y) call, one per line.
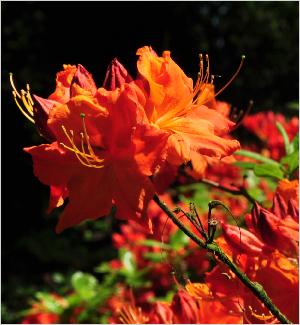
point(150, 148)
point(63, 82)
point(169, 86)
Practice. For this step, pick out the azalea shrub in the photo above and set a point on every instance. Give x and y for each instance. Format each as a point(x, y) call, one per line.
point(109, 150)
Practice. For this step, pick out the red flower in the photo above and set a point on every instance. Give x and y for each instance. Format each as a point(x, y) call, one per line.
point(102, 132)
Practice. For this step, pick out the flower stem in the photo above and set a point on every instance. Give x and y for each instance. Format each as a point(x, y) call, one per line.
point(255, 287)
point(241, 191)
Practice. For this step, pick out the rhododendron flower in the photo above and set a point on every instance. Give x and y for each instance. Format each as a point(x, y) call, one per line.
point(96, 155)
point(107, 142)
point(174, 106)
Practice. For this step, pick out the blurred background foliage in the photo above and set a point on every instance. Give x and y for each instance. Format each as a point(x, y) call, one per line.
point(38, 37)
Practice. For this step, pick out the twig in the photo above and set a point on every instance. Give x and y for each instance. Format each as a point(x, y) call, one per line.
point(240, 191)
point(255, 287)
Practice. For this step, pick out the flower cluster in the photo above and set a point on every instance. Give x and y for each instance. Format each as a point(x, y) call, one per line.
point(107, 142)
point(110, 149)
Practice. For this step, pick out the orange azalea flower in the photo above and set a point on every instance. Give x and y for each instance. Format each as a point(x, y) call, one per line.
point(96, 156)
point(174, 106)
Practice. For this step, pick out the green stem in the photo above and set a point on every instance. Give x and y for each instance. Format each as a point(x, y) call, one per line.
point(255, 287)
point(240, 191)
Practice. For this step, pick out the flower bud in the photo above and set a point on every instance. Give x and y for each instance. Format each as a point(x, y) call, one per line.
point(116, 76)
point(185, 308)
point(279, 233)
point(242, 240)
point(161, 313)
point(293, 210)
point(84, 79)
point(41, 110)
point(280, 207)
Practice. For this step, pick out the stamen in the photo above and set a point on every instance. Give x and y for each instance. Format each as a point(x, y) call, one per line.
point(130, 314)
point(233, 77)
point(26, 100)
point(29, 95)
point(82, 115)
point(13, 85)
point(21, 108)
point(262, 316)
point(87, 159)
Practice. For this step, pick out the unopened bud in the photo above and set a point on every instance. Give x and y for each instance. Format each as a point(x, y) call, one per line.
point(116, 76)
point(84, 79)
point(41, 109)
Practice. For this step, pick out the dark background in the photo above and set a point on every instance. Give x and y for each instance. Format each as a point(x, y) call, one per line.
point(38, 37)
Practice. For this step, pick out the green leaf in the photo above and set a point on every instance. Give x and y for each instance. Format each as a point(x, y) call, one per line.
point(287, 145)
point(179, 240)
point(201, 195)
point(103, 268)
point(292, 161)
point(155, 257)
point(128, 260)
point(84, 284)
point(50, 302)
point(293, 106)
point(269, 170)
point(256, 156)
point(245, 165)
point(153, 243)
point(295, 144)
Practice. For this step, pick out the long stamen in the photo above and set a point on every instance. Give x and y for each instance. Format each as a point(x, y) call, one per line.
point(26, 103)
point(74, 148)
point(228, 82)
point(21, 108)
point(91, 151)
point(130, 314)
point(25, 98)
point(233, 77)
point(13, 85)
point(87, 159)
